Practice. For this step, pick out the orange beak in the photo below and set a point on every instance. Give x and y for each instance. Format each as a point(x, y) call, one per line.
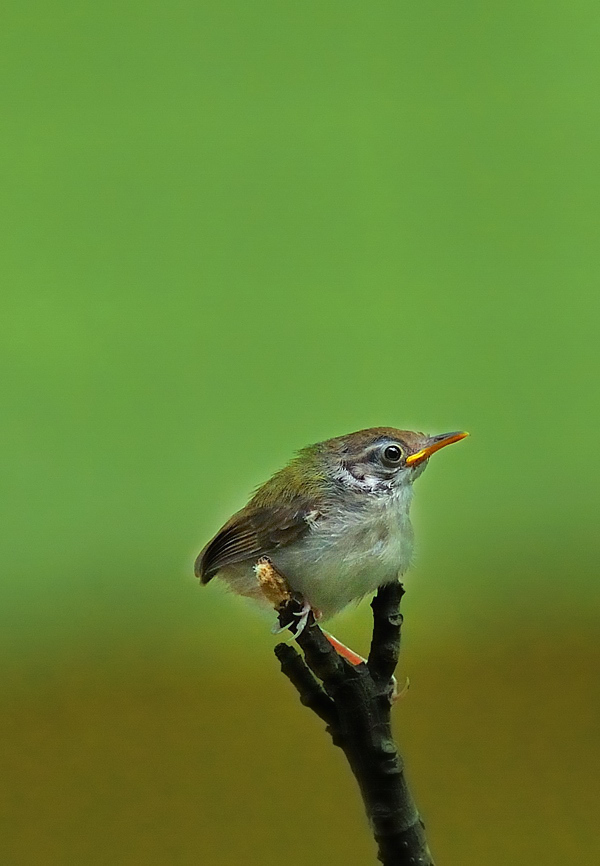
point(435, 443)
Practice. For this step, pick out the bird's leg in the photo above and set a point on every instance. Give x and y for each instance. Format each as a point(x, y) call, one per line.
point(276, 590)
point(292, 609)
point(344, 650)
point(355, 659)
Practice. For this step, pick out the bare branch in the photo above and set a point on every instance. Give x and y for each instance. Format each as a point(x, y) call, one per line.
point(387, 626)
point(355, 702)
point(312, 694)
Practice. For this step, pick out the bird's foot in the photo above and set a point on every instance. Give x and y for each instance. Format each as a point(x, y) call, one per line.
point(294, 616)
point(302, 618)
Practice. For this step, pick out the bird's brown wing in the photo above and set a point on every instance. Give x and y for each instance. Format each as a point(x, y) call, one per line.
point(248, 535)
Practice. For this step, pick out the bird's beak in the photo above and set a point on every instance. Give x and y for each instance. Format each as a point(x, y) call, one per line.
point(434, 444)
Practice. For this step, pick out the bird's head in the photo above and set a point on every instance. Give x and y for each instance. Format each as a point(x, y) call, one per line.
point(380, 458)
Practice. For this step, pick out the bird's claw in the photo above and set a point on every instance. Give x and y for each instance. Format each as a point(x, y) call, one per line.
point(302, 616)
point(399, 694)
point(293, 620)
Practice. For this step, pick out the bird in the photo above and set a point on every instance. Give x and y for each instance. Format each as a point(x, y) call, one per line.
point(335, 522)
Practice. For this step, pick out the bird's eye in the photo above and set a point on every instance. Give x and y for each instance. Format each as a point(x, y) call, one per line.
point(392, 455)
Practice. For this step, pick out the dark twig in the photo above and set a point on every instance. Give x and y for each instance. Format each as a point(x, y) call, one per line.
point(355, 701)
point(387, 630)
point(312, 694)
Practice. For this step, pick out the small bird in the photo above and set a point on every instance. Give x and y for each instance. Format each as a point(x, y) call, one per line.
point(335, 522)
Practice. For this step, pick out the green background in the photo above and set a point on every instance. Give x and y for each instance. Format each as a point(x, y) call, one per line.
point(232, 229)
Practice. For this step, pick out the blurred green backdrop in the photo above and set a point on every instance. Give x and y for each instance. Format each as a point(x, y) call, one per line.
point(229, 230)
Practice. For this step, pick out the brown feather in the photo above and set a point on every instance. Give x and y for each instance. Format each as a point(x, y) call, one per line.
point(250, 534)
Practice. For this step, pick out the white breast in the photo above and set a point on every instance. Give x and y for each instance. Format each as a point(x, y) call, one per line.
point(348, 554)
